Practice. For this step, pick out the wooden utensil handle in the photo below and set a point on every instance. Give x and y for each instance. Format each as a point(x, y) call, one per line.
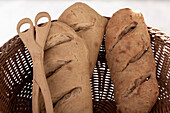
point(40, 81)
point(23, 21)
point(36, 49)
point(28, 35)
point(42, 31)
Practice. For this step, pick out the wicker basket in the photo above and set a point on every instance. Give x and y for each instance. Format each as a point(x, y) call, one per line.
point(16, 75)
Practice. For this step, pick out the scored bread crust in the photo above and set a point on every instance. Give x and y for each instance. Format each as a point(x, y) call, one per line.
point(89, 25)
point(131, 62)
point(67, 71)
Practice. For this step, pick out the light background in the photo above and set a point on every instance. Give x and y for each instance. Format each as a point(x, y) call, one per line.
point(156, 13)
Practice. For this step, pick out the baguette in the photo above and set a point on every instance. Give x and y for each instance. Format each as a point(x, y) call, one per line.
point(131, 62)
point(67, 71)
point(89, 25)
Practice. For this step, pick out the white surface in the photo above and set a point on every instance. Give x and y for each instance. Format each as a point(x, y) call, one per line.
point(156, 13)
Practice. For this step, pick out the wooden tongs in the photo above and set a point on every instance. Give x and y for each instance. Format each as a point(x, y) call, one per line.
point(35, 45)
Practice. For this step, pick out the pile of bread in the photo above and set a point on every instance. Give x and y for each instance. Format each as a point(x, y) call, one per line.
point(71, 53)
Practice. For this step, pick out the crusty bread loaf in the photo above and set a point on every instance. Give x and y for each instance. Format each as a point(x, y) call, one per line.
point(130, 59)
point(89, 25)
point(67, 69)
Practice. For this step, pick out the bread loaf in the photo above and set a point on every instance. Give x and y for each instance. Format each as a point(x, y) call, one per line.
point(67, 70)
point(89, 25)
point(130, 59)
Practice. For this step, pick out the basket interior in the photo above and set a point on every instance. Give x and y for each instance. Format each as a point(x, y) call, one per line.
point(16, 74)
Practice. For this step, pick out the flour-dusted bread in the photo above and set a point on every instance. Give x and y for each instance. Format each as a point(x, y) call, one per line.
point(67, 69)
point(130, 59)
point(89, 25)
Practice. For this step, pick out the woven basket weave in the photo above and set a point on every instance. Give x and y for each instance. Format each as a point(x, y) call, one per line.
point(16, 75)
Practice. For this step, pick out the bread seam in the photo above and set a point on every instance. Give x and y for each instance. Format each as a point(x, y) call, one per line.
point(58, 69)
point(67, 96)
point(137, 83)
point(125, 31)
point(70, 38)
